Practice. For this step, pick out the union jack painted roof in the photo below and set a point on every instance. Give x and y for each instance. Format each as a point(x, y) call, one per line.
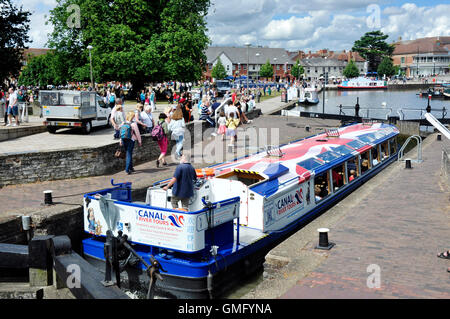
point(309, 156)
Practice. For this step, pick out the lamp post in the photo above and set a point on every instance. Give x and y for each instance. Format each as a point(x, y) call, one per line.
point(90, 62)
point(257, 77)
point(248, 61)
point(275, 59)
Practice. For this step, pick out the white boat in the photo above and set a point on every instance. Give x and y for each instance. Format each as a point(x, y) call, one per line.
point(362, 83)
point(308, 96)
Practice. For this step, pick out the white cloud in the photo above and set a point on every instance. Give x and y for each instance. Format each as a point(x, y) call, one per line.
point(292, 24)
point(412, 22)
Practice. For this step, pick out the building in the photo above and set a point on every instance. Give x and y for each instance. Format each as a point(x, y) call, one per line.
point(334, 63)
point(315, 68)
point(30, 53)
point(236, 59)
point(423, 57)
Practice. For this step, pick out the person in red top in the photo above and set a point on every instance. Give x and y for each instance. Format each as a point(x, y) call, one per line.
point(233, 96)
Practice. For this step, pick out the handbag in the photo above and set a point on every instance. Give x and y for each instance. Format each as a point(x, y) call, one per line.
point(120, 153)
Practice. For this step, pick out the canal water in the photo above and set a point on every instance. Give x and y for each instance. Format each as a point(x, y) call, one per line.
point(378, 103)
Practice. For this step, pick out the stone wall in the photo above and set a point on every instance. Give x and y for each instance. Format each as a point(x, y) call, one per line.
point(56, 165)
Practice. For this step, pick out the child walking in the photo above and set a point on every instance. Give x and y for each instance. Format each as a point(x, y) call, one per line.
point(222, 121)
point(232, 124)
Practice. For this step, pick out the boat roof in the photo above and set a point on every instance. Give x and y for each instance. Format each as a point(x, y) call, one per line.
point(310, 156)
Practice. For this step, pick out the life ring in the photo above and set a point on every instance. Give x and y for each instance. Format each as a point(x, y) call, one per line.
point(205, 172)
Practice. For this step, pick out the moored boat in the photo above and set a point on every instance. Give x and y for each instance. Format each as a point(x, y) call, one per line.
point(308, 96)
point(362, 83)
point(240, 210)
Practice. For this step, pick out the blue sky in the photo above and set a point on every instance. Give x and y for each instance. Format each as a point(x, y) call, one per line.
point(298, 24)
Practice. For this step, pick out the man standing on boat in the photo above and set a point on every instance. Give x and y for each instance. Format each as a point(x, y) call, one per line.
point(183, 183)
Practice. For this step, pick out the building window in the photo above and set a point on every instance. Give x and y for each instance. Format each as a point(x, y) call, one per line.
point(228, 67)
point(403, 59)
point(278, 67)
point(245, 67)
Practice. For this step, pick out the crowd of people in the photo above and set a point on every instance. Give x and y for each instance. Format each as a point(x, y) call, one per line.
point(12, 101)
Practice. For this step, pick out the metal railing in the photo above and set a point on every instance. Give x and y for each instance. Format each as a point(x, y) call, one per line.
point(419, 149)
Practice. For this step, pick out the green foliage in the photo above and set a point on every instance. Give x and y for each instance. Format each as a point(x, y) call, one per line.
point(14, 27)
point(218, 72)
point(297, 70)
point(138, 41)
point(266, 70)
point(351, 70)
point(373, 47)
point(386, 68)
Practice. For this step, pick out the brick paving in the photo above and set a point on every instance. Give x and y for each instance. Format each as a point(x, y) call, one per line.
point(400, 226)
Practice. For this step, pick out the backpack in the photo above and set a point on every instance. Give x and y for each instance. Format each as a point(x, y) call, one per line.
point(112, 99)
point(125, 131)
point(158, 133)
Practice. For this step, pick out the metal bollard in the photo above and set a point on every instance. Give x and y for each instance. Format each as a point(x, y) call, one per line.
point(48, 197)
point(439, 137)
point(323, 239)
point(408, 164)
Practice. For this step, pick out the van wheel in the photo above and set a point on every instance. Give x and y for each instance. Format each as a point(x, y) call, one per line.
point(87, 127)
point(51, 129)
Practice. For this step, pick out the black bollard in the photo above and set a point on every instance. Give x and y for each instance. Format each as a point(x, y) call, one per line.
point(48, 198)
point(357, 107)
point(439, 137)
point(323, 239)
point(408, 164)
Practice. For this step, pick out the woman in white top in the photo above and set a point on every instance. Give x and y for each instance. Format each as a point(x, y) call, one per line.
point(177, 126)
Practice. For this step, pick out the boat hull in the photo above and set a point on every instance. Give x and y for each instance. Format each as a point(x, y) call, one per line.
point(362, 87)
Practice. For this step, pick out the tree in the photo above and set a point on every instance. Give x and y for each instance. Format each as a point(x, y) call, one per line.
point(351, 70)
point(386, 67)
point(297, 70)
point(14, 27)
point(373, 47)
point(266, 70)
point(138, 41)
point(42, 71)
point(218, 72)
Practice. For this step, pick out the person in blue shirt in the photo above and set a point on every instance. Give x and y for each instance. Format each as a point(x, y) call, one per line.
point(183, 183)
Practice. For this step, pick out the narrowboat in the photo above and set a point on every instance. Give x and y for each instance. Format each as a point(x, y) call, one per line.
point(362, 83)
point(240, 210)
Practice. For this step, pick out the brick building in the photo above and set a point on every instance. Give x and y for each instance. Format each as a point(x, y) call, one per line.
point(423, 57)
point(235, 60)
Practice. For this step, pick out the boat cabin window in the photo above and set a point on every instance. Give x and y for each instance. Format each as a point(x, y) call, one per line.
point(352, 169)
point(384, 147)
point(247, 178)
point(308, 193)
point(338, 174)
point(375, 156)
point(393, 146)
point(365, 162)
point(321, 186)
